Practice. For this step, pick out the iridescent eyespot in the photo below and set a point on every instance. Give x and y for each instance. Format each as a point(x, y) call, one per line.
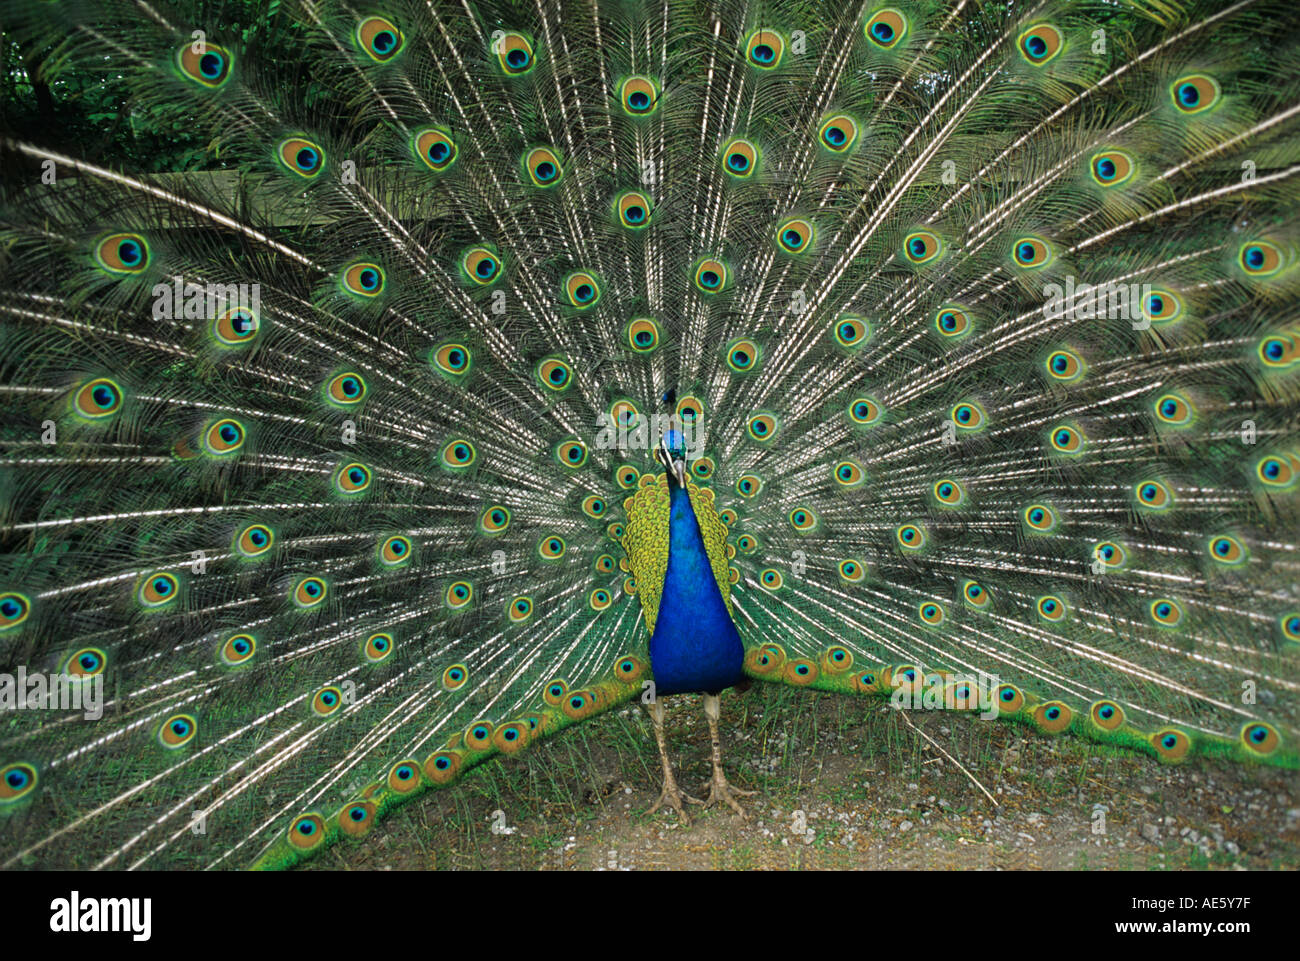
point(746, 543)
point(455, 676)
point(1161, 306)
point(520, 609)
point(235, 327)
point(582, 289)
point(1171, 745)
point(633, 210)
point(1110, 555)
point(302, 157)
point(761, 427)
point(1290, 626)
point(1064, 365)
point(1040, 43)
point(948, 492)
point(542, 164)
point(931, 613)
point(209, 66)
point(764, 49)
point(864, 411)
point(1259, 258)
point(710, 275)
point(1278, 350)
point(352, 478)
point(363, 280)
point(639, 96)
point(254, 540)
point(1173, 409)
point(554, 691)
point(690, 410)
point(442, 767)
point(599, 599)
point(458, 454)
point(795, 236)
point(952, 321)
point(629, 669)
point(626, 476)
point(975, 594)
point(1227, 550)
point(395, 551)
point(404, 777)
point(604, 563)
point(1052, 717)
point(480, 265)
point(1111, 167)
point(14, 609)
point(459, 594)
point(1010, 699)
point(837, 658)
point(1107, 715)
point(1260, 738)
point(380, 40)
point(1153, 495)
point(615, 532)
point(158, 589)
point(748, 485)
point(886, 28)
point(803, 519)
point(728, 516)
point(309, 592)
point(434, 147)
point(346, 389)
point(177, 731)
point(910, 537)
point(743, 356)
point(594, 506)
point(377, 647)
point(494, 520)
point(356, 819)
point(16, 781)
point(702, 468)
point(851, 331)
point(643, 335)
point(237, 649)
point(224, 437)
point(852, 570)
point(1031, 252)
point(514, 52)
point(770, 579)
point(921, 247)
point(1194, 93)
point(1276, 471)
point(452, 360)
point(1051, 608)
point(848, 473)
point(122, 253)
point(578, 704)
point(624, 414)
point(98, 399)
point(511, 738)
point(85, 663)
point(307, 832)
point(838, 133)
point(1166, 612)
point(740, 158)
point(1066, 440)
point(571, 453)
point(554, 374)
point(551, 548)
point(1040, 517)
point(968, 415)
point(800, 672)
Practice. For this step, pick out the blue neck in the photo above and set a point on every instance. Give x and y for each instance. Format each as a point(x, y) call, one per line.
point(695, 646)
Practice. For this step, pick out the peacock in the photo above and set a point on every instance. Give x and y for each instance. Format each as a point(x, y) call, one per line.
point(468, 370)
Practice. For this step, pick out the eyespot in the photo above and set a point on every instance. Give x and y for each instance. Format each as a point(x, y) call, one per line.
point(478, 736)
point(210, 68)
point(520, 609)
point(1052, 717)
point(1276, 471)
point(16, 781)
point(748, 485)
point(571, 453)
point(515, 53)
point(1110, 168)
point(377, 647)
point(1194, 93)
point(1171, 745)
point(582, 290)
point(85, 664)
point(553, 693)
point(364, 280)
point(594, 506)
point(639, 96)
point(624, 415)
point(481, 265)
point(848, 473)
point(235, 327)
point(434, 147)
point(690, 410)
point(454, 677)
point(838, 133)
point(307, 832)
point(968, 416)
point(866, 682)
point(851, 331)
point(380, 40)
point(224, 437)
point(458, 454)
point(764, 49)
point(1107, 715)
point(552, 548)
point(352, 478)
point(578, 705)
point(459, 594)
point(177, 731)
point(452, 360)
point(1161, 306)
point(629, 669)
point(743, 356)
point(740, 158)
point(800, 672)
point(1260, 738)
point(237, 649)
point(395, 551)
point(554, 374)
point(327, 701)
point(1010, 699)
point(711, 276)
point(949, 492)
point(1259, 258)
point(702, 468)
point(803, 519)
point(1166, 612)
point(309, 592)
point(910, 537)
point(346, 389)
point(886, 28)
point(761, 427)
point(627, 476)
point(1040, 518)
point(511, 738)
point(1031, 252)
point(1051, 608)
point(1174, 409)
point(746, 543)
point(1227, 550)
point(921, 247)
point(952, 321)
point(122, 253)
point(931, 613)
point(254, 540)
point(599, 599)
point(1064, 365)
point(770, 579)
point(158, 589)
point(98, 399)
point(976, 595)
point(543, 167)
point(302, 157)
point(643, 335)
point(629, 586)
point(728, 516)
point(864, 410)
point(1040, 43)
point(494, 520)
point(1290, 625)
point(615, 532)
point(14, 609)
point(1111, 555)
point(633, 209)
point(1278, 350)
point(604, 564)
point(1066, 440)
point(1153, 495)
point(404, 777)
point(795, 236)
point(355, 819)
point(852, 570)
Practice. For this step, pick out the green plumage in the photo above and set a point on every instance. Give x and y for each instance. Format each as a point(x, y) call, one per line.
point(325, 460)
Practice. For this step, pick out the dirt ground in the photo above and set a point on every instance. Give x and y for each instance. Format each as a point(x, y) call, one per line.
point(842, 784)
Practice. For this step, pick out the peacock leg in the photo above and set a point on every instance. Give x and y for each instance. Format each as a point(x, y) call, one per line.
point(670, 793)
point(719, 790)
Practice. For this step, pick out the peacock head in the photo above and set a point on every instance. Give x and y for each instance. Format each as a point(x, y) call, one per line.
point(672, 452)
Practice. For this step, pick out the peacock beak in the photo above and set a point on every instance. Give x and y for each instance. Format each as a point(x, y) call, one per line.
point(675, 466)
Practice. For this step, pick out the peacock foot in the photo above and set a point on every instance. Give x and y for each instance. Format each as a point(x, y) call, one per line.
point(720, 792)
point(674, 797)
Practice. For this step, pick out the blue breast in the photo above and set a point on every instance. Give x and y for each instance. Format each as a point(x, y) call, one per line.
point(695, 646)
